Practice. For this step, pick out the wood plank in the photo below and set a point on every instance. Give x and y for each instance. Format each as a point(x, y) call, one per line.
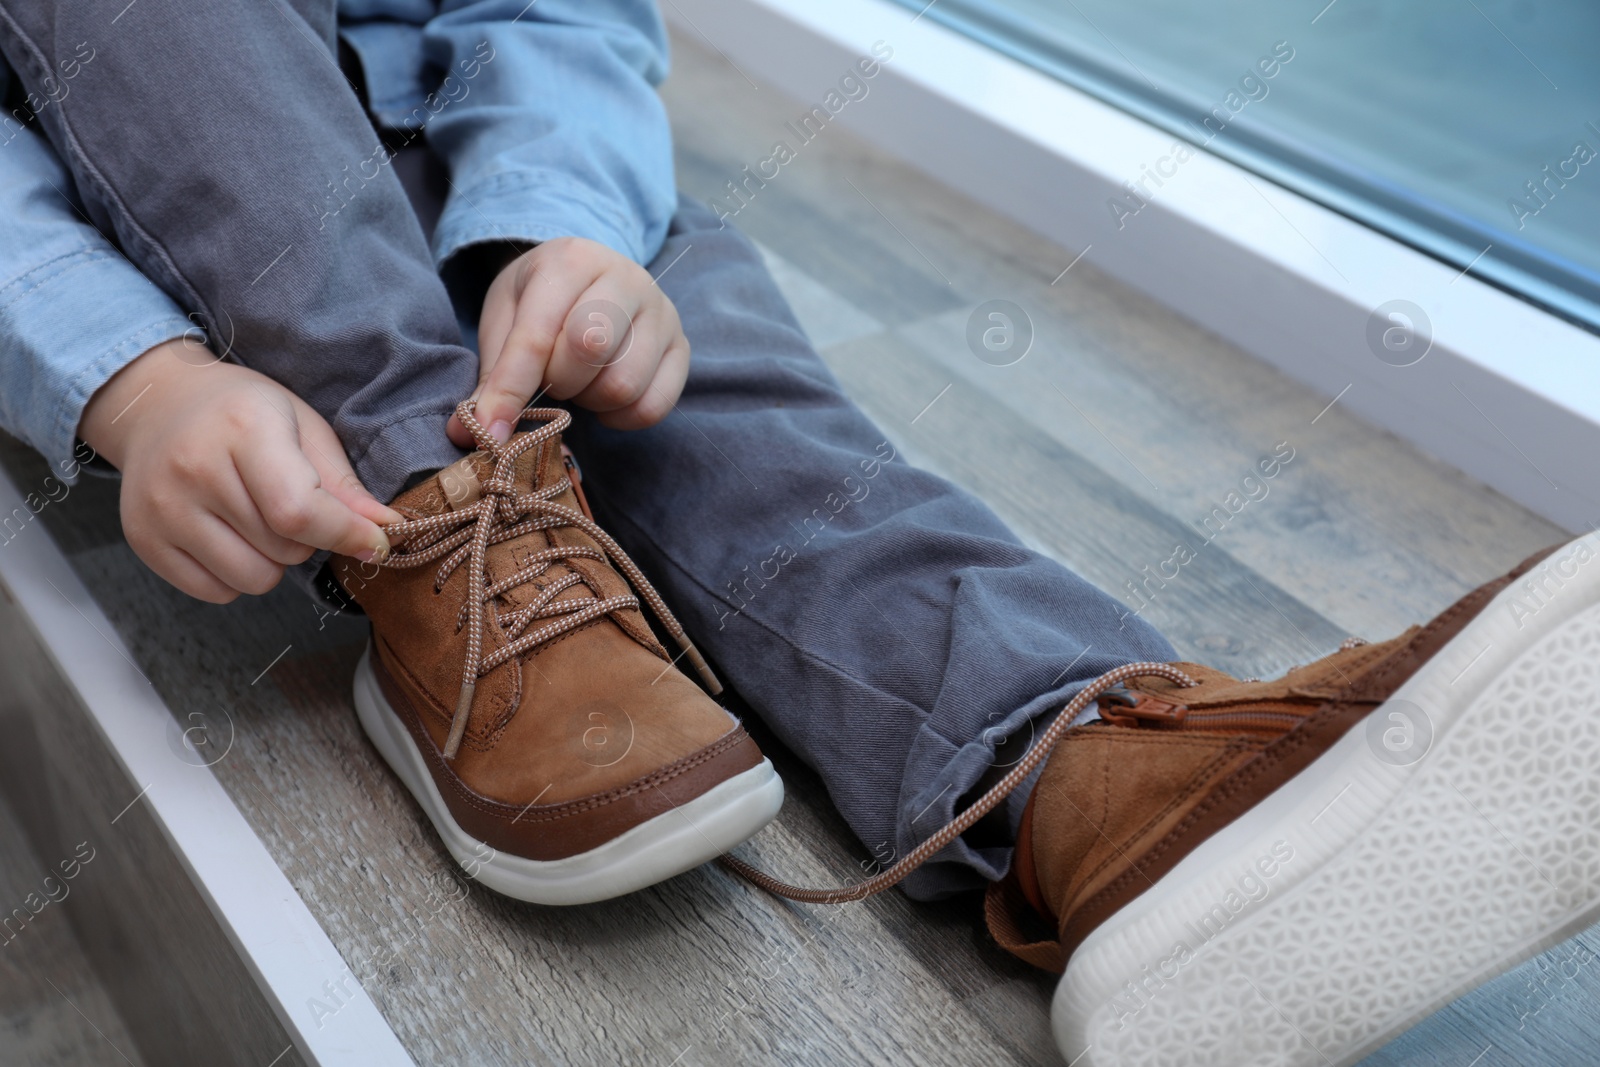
point(54, 1010)
point(174, 976)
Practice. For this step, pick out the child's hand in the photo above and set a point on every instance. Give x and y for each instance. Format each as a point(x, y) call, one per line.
point(583, 323)
point(227, 477)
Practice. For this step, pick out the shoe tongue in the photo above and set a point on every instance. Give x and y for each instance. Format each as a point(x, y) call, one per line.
point(452, 487)
point(461, 484)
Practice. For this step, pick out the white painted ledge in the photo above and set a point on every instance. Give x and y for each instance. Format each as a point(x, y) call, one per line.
point(1507, 393)
point(282, 945)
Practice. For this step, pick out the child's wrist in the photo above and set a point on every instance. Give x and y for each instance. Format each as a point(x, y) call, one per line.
point(112, 413)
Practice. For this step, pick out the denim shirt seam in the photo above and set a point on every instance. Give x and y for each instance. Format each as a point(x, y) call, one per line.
point(502, 182)
point(84, 255)
point(495, 226)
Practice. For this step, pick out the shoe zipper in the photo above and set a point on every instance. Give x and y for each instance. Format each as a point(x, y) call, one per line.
point(1220, 720)
point(1156, 711)
point(575, 476)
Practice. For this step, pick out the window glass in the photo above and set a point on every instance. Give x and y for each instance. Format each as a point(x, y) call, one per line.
point(1469, 129)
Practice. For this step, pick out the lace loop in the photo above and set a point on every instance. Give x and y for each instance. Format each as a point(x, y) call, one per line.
point(502, 513)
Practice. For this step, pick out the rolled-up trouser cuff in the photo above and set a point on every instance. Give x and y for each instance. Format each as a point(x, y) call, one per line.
point(403, 449)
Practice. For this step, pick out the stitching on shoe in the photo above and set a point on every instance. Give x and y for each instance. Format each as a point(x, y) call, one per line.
point(1105, 799)
point(483, 743)
point(492, 736)
point(433, 704)
point(571, 808)
point(1131, 738)
point(504, 722)
point(658, 777)
point(513, 705)
point(1209, 773)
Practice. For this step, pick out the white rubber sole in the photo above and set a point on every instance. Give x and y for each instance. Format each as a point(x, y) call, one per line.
point(651, 852)
point(1382, 881)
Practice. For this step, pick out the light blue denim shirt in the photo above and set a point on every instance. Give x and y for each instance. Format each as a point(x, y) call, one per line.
point(545, 113)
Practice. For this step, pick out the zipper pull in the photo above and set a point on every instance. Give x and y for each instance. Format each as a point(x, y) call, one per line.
point(1133, 708)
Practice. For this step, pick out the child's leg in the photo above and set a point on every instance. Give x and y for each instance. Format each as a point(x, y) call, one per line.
point(213, 141)
point(885, 624)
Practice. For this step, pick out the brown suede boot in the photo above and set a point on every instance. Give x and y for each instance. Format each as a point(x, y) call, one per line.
point(514, 686)
point(1293, 872)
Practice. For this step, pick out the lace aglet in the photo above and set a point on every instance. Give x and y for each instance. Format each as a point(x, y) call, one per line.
point(458, 725)
point(708, 677)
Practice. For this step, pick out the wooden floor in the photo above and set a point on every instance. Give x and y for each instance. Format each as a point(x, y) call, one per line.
point(54, 1010)
point(1121, 426)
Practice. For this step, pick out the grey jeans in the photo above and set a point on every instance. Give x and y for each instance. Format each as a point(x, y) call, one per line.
point(885, 624)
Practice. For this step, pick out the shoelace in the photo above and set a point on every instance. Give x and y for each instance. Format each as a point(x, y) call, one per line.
point(981, 807)
point(502, 513)
point(1344, 646)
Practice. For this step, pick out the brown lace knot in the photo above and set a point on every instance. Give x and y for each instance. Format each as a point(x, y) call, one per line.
point(503, 513)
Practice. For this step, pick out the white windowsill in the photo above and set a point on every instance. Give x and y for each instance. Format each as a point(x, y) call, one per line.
point(1507, 393)
point(275, 935)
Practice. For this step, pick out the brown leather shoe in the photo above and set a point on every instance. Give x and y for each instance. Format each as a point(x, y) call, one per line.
point(515, 687)
point(1293, 872)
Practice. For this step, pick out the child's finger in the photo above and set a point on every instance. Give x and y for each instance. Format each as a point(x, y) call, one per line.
point(181, 569)
point(507, 388)
point(660, 396)
point(241, 513)
point(631, 364)
point(212, 542)
point(511, 376)
point(494, 325)
point(287, 490)
point(230, 500)
point(321, 446)
point(600, 333)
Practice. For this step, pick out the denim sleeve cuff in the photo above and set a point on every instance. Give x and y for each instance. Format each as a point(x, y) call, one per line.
point(69, 325)
point(536, 205)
